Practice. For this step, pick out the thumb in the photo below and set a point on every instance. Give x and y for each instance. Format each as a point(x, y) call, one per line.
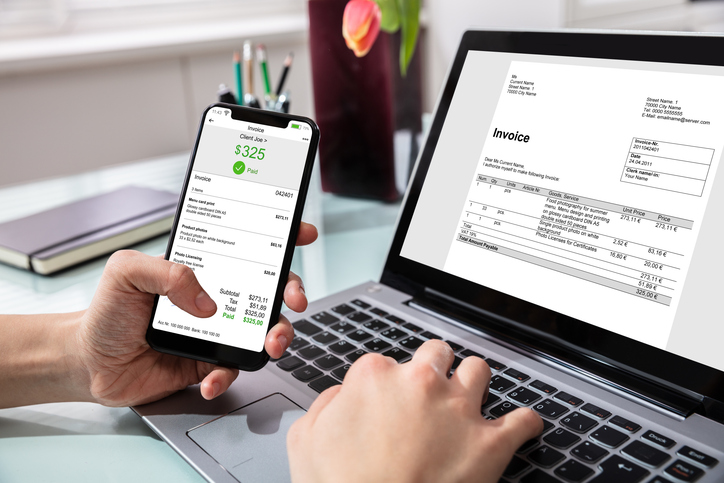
point(136, 271)
point(517, 427)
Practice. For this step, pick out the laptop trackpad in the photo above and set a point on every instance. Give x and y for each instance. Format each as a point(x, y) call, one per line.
point(251, 442)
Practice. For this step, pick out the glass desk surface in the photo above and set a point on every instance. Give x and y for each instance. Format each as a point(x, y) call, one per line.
point(84, 441)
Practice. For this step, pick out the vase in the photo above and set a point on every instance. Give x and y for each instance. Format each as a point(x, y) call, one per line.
point(353, 101)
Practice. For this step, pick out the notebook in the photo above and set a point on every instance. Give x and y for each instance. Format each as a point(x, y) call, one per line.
point(564, 222)
point(67, 235)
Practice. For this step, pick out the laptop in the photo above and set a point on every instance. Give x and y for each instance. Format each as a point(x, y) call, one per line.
point(564, 222)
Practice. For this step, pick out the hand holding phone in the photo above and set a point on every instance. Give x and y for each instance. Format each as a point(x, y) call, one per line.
point(238, 216)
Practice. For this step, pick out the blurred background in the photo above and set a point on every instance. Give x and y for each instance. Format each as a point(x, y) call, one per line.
point(91, 83)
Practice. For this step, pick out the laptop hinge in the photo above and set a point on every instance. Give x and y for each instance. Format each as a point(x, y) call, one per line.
point(601, 373)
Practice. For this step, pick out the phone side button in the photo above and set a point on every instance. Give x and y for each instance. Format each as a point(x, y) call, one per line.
point(290, 363)
point(323, 383)
point(306, 373)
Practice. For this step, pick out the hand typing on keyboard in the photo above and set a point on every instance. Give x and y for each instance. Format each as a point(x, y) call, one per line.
point(407, 423)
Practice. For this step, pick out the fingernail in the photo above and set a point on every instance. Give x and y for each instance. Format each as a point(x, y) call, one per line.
point(204, 302)
point(283, 342)
point(301, 289)
point(216, 388)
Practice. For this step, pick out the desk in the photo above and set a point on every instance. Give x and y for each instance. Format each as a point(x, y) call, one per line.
point(88, 442)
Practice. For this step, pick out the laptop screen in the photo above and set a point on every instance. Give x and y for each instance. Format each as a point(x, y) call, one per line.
point(585, 186)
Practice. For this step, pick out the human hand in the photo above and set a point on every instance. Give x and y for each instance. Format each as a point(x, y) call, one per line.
point(122, 369)
point(407, 423)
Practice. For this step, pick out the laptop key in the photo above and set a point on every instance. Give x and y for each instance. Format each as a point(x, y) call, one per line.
point(515, 374)
point(550, 409)
point(456, 362)
point(574, 471)
point(515, 467)
point(539, 476)
point(545, 456)
point(290, 363)
point(355, 355)
point(492, 399)
point(645, 453)
point(378, 312)
point(411, 343)
point(412, 327)
point(341, 347)
point(323, 383)
point(547, 426)
point(683, 471)
point(698, 456)
point(608, 436)
point(306, 373)
point(500, 384)
point(468, 353)
point(430, 335)
point(359, 317)
point(498, 366)
point(524, 396)
point(325, 338)
point(624, 423)
point(578, 422)
point(327, 362)
point(394, 334)
point(340, 372)
point(659, 439)
point(376, 345)
point(325, 318)
point(567, 398)
point(503, 409)
point(298, 343)
point(306, 327)
point(397, 354)
point(542, 387)
point(527, 446)
point(311, 352)
point(453, 345)
point(589, 452)
point(376, 325)
point(619, 470)
point(560, 438)
point(395, 319)
point(343, 309)
point(596, 411)
point(361, 304)
point(342, 327)
point(359, 335)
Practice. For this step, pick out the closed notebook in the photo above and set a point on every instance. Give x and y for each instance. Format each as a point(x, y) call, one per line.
point(64, 236)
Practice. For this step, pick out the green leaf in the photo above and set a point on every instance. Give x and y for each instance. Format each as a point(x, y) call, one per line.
point(410, 24)
point(390, 20)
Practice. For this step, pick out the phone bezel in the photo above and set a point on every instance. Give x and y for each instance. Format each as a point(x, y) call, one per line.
point(214, 352)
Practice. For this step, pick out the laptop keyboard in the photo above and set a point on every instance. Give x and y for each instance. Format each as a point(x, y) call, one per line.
point(581, 442)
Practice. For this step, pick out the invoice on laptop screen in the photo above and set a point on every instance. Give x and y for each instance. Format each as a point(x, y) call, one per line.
point(585, 186)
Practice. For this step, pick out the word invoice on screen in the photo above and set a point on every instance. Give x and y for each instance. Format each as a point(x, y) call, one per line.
point(593, 179)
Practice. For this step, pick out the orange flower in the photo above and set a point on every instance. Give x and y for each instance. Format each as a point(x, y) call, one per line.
point(360, 25)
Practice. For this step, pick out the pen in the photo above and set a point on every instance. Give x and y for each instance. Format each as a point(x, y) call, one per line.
point(261, 57)
point(248, 71)
point(285, 71)
point(225, 95)
point(237, 76)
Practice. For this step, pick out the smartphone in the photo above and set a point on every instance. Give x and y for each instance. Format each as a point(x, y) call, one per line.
point(235, 227)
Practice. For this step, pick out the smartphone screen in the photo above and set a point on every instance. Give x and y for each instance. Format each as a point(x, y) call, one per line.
point(234, 223)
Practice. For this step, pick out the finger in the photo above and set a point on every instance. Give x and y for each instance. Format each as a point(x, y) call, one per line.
point(157, 276)
point(294, 295)
point(307, 234)
point(517, 427)
point(437, 354)
point(218, 381)
point(473, 376)
point(279, 337)
point(321, 402)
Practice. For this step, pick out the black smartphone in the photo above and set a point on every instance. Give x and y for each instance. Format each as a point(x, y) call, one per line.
point(236, 226)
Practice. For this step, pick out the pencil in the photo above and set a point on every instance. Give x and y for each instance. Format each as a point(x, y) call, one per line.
point(285, 71)
point(248, 68)
point(261, 57)
point(237, 75)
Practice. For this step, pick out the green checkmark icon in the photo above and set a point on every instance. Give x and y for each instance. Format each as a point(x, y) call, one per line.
point(239, 167)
